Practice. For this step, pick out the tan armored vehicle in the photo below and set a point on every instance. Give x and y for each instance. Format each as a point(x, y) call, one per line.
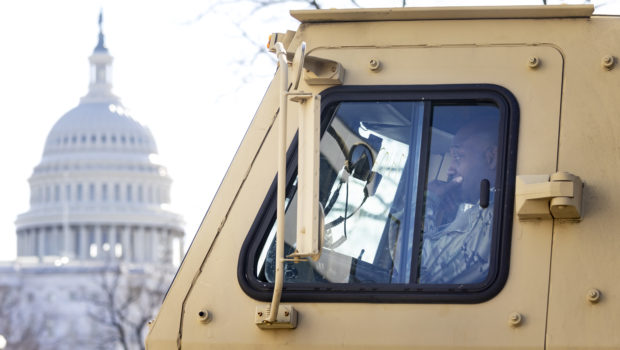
point(418, 178)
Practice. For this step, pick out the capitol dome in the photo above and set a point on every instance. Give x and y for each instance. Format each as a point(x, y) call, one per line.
point(99, 192)
point(99, 127)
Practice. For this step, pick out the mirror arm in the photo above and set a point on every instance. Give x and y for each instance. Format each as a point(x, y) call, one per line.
point(279, 278)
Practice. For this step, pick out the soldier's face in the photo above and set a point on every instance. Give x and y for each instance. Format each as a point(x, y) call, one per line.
point(473, 159)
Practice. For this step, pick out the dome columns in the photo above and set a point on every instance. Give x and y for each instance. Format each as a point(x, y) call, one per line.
point(100, 242)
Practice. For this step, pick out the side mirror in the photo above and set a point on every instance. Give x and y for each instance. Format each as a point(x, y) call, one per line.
point(309, 212)
point(310, 215)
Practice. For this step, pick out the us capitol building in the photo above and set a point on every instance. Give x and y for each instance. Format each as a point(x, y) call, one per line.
point(98, 210)
point(97, 192)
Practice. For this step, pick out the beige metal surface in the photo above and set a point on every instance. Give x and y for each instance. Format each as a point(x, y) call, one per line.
point(587, 255)
point(567, 84)
point(448, 12)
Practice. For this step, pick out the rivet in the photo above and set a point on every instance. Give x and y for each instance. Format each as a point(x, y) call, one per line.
point(533, 62)
point(515, 319)
point(608, 62)
point(374, 64)
point(204, 316)
point(594, 295)
point(286, 313)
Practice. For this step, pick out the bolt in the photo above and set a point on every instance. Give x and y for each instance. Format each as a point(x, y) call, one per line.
point(533, 62)
point(374, 64)
point(515, 319)
point(286, 313)
point(608, 61)
point(594, 295)
point(260, 313)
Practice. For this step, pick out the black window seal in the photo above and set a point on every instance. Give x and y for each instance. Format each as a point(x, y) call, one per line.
point(399, 293)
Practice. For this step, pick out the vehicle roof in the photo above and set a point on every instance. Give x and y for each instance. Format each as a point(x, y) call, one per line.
point(436, 13)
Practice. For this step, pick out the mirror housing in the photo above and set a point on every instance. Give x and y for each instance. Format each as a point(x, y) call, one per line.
point(310, 215)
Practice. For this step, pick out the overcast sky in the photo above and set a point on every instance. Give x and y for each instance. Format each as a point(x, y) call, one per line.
point(181, 67)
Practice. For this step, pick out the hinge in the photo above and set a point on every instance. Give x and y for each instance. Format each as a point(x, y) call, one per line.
point(544, 197)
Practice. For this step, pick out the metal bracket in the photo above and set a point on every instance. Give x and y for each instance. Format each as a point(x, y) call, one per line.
point(321, 71)
point(545, 197)
point(287, 317)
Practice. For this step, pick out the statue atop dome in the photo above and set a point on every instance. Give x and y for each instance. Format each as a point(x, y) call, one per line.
point(100, 44)
point(100, 87)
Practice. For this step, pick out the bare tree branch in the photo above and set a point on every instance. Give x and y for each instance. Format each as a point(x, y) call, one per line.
point(125, 301)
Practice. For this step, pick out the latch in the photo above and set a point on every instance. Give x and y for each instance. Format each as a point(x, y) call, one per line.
point(545, 197)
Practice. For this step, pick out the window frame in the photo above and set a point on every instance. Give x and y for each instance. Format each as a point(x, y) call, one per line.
point(400, 293)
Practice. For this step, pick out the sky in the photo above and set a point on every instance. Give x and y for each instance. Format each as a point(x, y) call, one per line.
point(186, 69)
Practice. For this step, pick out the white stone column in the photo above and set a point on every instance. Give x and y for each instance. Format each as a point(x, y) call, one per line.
point(139, 244)
point(98, 241)
point(50, 238)
point(58, 239)
point(127, 256)
point(84, 248)
point(32, 242)
point(112, 241)
point(26, 249)
point(67, 246)
point(148, 242)
point(181, 244)
point(153, 244)
point(20, 244)
point(41, 242)
point(160, 252)
point(168, 242)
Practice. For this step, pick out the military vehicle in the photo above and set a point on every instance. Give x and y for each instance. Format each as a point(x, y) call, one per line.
point(418, 178)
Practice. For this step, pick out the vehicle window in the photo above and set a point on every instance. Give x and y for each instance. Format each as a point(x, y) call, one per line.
point(457, 228)
point(370, 156)
point(414, 196)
